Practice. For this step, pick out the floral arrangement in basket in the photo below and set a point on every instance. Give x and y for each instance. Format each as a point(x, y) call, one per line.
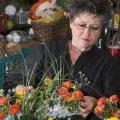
point(46, 11)
point(108, 108)
point(49, 21)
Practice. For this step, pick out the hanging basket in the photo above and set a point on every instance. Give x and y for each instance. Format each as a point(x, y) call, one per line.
point(57, 30)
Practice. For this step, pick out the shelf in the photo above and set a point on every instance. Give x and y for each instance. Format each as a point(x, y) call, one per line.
point(23, 27)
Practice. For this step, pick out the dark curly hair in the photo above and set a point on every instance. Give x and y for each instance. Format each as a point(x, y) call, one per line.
point(98, 7)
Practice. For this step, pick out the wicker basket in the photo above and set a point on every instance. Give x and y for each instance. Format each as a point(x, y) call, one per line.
point(12, 48)
point(57, 30)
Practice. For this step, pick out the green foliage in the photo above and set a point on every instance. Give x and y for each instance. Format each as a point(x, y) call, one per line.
point(64, 3)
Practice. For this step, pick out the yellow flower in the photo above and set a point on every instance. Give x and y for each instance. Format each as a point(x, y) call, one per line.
point(50, 118)
point(20, 90)
point(48, 81)
point(73, 86)
point(18, 101)
point(113, 118)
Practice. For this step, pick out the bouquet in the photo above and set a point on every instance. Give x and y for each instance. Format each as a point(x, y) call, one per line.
point(108, 108)
point(58, 99)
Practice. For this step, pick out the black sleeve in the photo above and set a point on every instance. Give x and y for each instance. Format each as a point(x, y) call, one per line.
point(112, 78)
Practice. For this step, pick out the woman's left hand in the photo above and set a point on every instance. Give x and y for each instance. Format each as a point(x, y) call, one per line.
point(87, 106)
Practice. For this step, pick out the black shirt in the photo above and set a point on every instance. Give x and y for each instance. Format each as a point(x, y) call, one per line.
point(101, 69)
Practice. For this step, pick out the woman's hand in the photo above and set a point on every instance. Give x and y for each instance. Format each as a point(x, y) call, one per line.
point(87, 105)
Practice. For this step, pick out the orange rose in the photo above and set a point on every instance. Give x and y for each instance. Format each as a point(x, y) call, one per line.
point(68, 97)
point(2, 115)
point(99, 110)
point(116, 114)
point(62, 91)
point(14, 109)
point(67, 84)
point(101, 101)
point(3, 100)
point(114, 99)
point(77, 95)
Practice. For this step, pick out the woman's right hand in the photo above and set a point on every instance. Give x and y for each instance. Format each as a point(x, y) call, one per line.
point(87, 105)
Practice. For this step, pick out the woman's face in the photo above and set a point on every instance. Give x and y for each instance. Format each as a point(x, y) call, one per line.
point(86, 29)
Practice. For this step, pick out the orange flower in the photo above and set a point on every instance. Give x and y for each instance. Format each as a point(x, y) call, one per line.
point(68, 97)
point(77, 95)
point(99, 110)
point(116, 114)
point(114, 99)
point(62, 91)
point(101, 101)
point(107, 107)
point(67, 84)
point(3, 100)
point(2, 115)
point(14, 109)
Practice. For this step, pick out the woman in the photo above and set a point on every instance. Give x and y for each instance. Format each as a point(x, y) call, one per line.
point(87, 20)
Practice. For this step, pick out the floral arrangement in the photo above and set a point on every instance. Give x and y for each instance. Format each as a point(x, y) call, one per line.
point(46, 11)
point(58, 99)
point(108, 108)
